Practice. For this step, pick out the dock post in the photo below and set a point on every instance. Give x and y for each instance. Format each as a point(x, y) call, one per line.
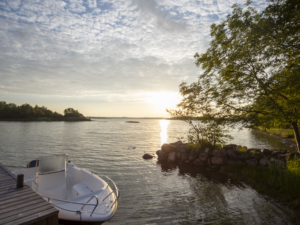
point(20, 180)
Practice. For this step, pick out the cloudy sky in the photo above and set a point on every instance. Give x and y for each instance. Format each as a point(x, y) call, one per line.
point(104, 57)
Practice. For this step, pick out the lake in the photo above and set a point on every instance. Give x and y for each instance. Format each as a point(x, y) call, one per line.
point(151, 192)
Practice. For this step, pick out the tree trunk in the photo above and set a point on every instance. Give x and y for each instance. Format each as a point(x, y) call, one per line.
point(297, 136)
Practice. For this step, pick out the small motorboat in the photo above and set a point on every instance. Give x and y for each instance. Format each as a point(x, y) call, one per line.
point(78, 194)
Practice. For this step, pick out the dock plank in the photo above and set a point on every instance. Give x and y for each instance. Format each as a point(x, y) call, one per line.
point(22, 205)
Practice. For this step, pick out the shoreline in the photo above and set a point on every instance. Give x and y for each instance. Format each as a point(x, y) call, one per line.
point(287, 141)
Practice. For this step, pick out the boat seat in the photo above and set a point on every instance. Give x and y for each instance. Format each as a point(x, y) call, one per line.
point(81, 189)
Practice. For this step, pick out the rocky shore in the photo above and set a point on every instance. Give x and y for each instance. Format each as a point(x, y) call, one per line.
point(231, 154)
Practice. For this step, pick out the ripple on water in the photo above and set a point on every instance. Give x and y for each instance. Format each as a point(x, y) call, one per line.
point(151, 192)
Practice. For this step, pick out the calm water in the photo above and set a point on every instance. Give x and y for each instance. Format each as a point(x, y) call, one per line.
point(151, 193)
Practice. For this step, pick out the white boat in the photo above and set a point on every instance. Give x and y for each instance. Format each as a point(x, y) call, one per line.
point(78, 194)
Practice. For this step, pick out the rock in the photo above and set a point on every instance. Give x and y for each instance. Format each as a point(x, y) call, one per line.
point(198, 162)
point(256, 155)
point(214, 167)
point(168, 148)
point(219, 161)
point(233, 161)
point(203, 156)
point(219, 153)
point(172, 157)
point(184, 148)
point(187, 161)
point(243, 155)
point(264, 162)
point(232, 153)
point(275, 153)
point(252, 162)
point(266, 152)
point(161, 155)
point(230, 147)
point(178, 155)
point(148, 156)
point(184, 156)
point(194, 155)
point(254, 150)
point(208, 151)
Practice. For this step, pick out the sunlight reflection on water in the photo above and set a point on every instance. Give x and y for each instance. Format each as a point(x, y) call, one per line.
point(164, 131)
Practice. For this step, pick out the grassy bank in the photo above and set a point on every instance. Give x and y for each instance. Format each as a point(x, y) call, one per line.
point(281, 183)
point(283, 132)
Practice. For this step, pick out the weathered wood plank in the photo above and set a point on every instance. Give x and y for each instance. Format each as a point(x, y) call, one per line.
point(5, 178)
point(7, 190)
point(8, 185)
point(29, 201)
point(22, 205)
point(8, 171)
point(22, 215)
point(19, 198)
point(14, 191)
point(7, 182)
point(16, 194)
point(22, 209)
point(33, 218)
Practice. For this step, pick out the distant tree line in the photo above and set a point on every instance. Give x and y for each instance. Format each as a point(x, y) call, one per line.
point(11, 111)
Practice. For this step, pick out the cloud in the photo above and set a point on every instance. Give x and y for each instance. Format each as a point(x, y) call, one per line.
point(89, 48)
point(163, 19)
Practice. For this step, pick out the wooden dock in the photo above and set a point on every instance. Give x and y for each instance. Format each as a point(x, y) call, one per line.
point(23, 205)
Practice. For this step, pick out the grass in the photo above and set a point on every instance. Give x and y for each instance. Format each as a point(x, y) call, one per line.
point(283, 132)
point(281, 183)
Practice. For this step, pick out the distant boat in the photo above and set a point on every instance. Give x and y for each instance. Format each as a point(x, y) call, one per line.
point(132, 122)
point(78, 194)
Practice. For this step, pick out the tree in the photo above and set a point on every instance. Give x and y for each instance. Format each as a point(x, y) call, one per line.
point(251, 69)
point(70, 112)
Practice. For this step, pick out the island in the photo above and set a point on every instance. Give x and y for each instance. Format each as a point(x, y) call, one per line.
point(25, 112)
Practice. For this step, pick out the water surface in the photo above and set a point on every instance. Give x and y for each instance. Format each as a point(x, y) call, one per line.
point(151, 193)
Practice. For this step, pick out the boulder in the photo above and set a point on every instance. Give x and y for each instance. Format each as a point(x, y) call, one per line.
point(148, 156)
point(254, 150)
point(275, 153)
point(203, 156)
point(232, 153)
point(230, 147)
point(168, 148)
point(219, 153)
point(194, 155)
point(208, 151)
point(252, 162)
point(219, 161)
point(243, 155)
point(264, 162)
point(233, 161)
point(184, 148)
point(267, 152)
point(256, 155)
point(172, 157)
point(198, 162)
point(178, 155)
point(161, 155)
point(184, 156)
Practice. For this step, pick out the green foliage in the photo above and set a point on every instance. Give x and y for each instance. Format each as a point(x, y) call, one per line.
point(241, 148)
point(70, 112)
point(206, 134)
point(283, 180)
point(26, 112)
point(251, 69)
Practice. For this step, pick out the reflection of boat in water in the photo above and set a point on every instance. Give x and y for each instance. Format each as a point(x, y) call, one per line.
point(78, 194)
point(132, 122)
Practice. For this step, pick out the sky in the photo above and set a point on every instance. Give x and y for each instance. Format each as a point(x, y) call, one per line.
point(109, 58)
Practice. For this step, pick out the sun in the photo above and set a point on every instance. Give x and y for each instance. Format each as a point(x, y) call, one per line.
point(164, 100)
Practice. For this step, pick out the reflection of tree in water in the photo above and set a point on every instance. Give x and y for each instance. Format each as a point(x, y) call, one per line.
point(212, 198)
